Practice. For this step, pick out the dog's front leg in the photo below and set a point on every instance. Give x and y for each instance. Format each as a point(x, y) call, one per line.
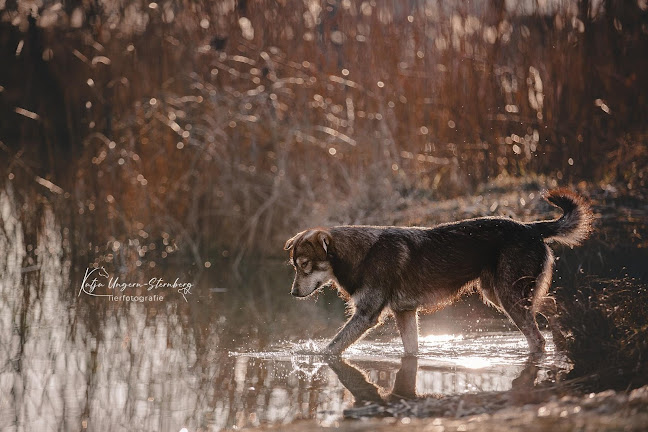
point(351, 332)
point(407, 323)
point(363, 319)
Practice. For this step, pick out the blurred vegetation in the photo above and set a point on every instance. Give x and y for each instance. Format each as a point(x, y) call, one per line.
point(608, 332)
point(221, 127)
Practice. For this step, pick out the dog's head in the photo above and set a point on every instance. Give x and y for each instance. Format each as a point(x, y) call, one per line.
point(309, 251)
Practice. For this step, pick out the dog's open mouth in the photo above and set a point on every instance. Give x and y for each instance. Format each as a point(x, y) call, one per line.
point(324, 285)
point(321, 286)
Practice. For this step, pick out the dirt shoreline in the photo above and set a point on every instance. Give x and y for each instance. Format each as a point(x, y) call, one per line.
point(605, 411)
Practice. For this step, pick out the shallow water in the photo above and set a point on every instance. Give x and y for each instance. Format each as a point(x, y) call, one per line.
point(226, 353)
point(311, 386)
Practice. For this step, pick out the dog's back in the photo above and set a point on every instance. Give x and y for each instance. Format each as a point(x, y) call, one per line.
point(428, 267)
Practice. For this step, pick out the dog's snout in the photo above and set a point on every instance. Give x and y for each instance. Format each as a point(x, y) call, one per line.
point(294, 292)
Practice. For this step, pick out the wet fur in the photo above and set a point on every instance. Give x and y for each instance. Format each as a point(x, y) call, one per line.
point(402, 270)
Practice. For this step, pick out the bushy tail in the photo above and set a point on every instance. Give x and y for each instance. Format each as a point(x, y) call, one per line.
point(574, 226)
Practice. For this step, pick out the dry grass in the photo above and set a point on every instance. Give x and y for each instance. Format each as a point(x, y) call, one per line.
point(201, 128)
point(607, 323)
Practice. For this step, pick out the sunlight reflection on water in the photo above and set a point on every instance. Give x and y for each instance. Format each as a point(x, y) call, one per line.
point(472, 351)
point(440, 338)
point(447, 364)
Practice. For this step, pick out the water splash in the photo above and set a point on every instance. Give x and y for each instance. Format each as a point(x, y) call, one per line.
point(495, 351)
point(307, 347)
point(306, 365)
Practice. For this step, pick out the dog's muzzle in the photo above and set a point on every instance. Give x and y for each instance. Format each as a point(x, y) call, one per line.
point(296, 293)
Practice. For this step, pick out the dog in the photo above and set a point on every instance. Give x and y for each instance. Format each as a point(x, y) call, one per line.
point(382, 270)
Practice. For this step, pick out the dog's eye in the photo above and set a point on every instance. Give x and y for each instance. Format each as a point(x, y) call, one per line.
point(304, 264)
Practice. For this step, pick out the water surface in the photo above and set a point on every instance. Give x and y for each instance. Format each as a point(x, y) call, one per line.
point(227, 353)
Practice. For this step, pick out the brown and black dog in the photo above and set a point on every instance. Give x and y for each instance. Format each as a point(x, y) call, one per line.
point(402, 270)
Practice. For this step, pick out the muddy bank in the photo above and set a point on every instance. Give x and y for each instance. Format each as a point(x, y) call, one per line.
point(604, 411)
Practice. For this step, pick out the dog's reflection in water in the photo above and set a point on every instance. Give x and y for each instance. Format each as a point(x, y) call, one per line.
point(364, 391)
point(357, 382)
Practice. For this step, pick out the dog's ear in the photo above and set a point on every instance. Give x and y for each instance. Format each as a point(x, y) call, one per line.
point(291, 241)
point(324, 238)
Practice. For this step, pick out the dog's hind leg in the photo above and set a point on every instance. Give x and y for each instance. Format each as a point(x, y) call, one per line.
point(545, 305)
point(407, 323)
point(487, 289)
point(515, 285)
point(549, 310)
point(519, 310)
